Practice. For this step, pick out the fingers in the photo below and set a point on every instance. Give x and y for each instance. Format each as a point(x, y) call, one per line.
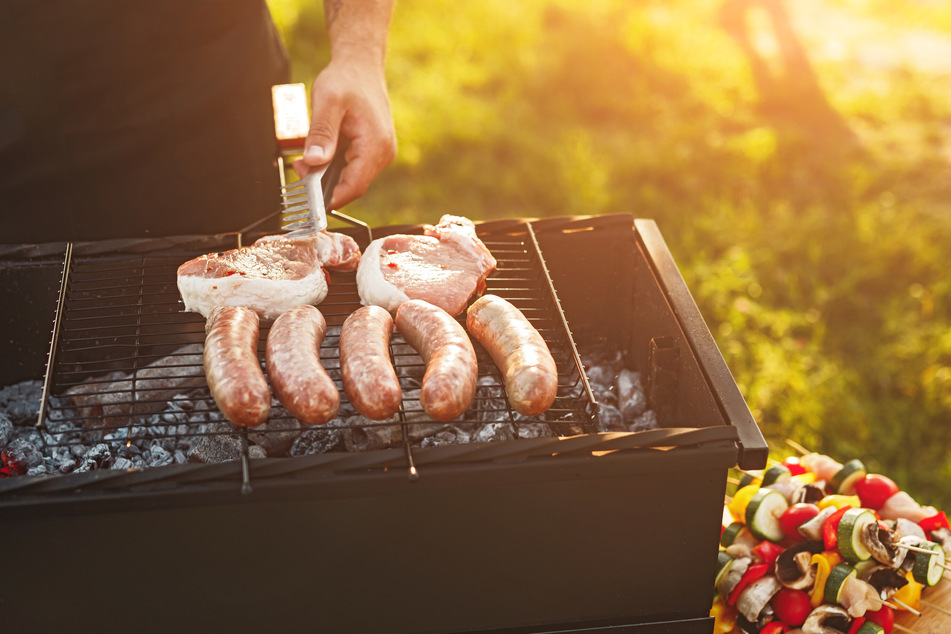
point(367, 156)
point(351, 105)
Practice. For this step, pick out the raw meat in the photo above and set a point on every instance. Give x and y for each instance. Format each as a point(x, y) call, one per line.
point(445, 267)
point(271, 276)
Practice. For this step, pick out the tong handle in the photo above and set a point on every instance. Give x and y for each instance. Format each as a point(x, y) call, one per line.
point(332, 174)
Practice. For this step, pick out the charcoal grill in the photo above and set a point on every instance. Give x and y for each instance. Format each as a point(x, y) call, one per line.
point(583, 531)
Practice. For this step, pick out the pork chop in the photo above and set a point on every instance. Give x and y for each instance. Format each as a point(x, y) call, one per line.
point(445, 266)
point(270, 276)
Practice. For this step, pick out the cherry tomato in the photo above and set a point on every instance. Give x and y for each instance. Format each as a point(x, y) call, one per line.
point(792, 607)
point(793, 464)
point(794, 517)
point(884, 616)
point(874, 490)
point(774, 627)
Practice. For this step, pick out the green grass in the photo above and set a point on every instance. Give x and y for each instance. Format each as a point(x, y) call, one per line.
point(804, 191)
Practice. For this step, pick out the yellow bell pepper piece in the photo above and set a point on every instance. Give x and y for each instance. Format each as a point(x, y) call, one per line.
point(824, 563)
point(910, 594)
point(838, 501)
point(806, 478)
point(725, 617)
point(741, 499)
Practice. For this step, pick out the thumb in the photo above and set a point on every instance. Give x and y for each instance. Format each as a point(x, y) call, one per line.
point(321, 141)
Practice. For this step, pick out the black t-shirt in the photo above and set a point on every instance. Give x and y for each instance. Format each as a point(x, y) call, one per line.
point(124, 119)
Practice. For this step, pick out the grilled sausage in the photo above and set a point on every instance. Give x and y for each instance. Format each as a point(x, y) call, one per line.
point(528, 369)
point(449, 383)
point(368, 375)
point(293, 365)
point(232, 367)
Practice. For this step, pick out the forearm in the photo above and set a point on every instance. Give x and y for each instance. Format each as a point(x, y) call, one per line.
point(358, 29)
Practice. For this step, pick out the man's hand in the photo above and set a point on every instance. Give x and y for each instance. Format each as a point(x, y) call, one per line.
point(349, 99)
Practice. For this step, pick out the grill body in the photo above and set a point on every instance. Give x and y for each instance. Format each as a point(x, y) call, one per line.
point(602, 532)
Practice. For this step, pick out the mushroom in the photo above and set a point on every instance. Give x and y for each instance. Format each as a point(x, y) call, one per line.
point(878, 540)
point(812, 529)
point(809, 493)
point(826, 619)
point(757, 596)
point(885, 579)
point(906, 558)
point(794, 567)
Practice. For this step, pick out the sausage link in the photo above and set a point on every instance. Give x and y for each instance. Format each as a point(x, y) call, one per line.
point(293, 365)
point(519, 351)
point(449, 383)
point(368, 375)
point(232, 367)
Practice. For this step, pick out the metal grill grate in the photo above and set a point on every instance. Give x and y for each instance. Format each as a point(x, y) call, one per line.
point(123, 348)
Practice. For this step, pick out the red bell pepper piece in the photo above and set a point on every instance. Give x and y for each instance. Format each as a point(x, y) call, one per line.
point(768, 552)
point(858, 622)
point(754, 572)
point(775, 627)
point(830, 528)
point(936, 521)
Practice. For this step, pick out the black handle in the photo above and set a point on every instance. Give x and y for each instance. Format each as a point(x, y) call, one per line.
point(332, 176)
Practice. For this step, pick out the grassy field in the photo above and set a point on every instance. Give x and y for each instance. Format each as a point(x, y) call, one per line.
point(796, 156)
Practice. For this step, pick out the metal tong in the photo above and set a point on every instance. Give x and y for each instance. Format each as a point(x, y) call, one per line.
point(305, 201)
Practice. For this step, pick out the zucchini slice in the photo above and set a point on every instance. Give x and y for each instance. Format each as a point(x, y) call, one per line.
point(928, 569)
point(749, 478)
point(724, 563)
point(844, 480)
point(762, 514)
point(778, 473)
point(731, 533)
point(835, 582)
point(870, 628)
point(850, 535)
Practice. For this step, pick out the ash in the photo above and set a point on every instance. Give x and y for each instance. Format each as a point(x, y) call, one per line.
point(190, 428)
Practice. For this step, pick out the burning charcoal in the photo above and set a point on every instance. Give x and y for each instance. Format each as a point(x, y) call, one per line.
point(604, 395)
point(534, 430)
point(21, 455)
point(492, 405)
point(494, 432)
point(601, 375)
point(6, 430)
point(179, 457)
point(644, 422)
point(21, 401)
point(610, 419)
point(276, 436)
point(632, 400)
point(362, 434)
point(215, 449)
point(256, 452)
point(316, 440)
point(60, 460)
point(158, 456)
point(97, 457)
point(122, 464)
point(450, 435)
point(113, 398)
point(38, 470)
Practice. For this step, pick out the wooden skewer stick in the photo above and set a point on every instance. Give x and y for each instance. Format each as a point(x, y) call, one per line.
point(915, 549)
point(936, 607)
point(795, 445)
point(907, 607)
